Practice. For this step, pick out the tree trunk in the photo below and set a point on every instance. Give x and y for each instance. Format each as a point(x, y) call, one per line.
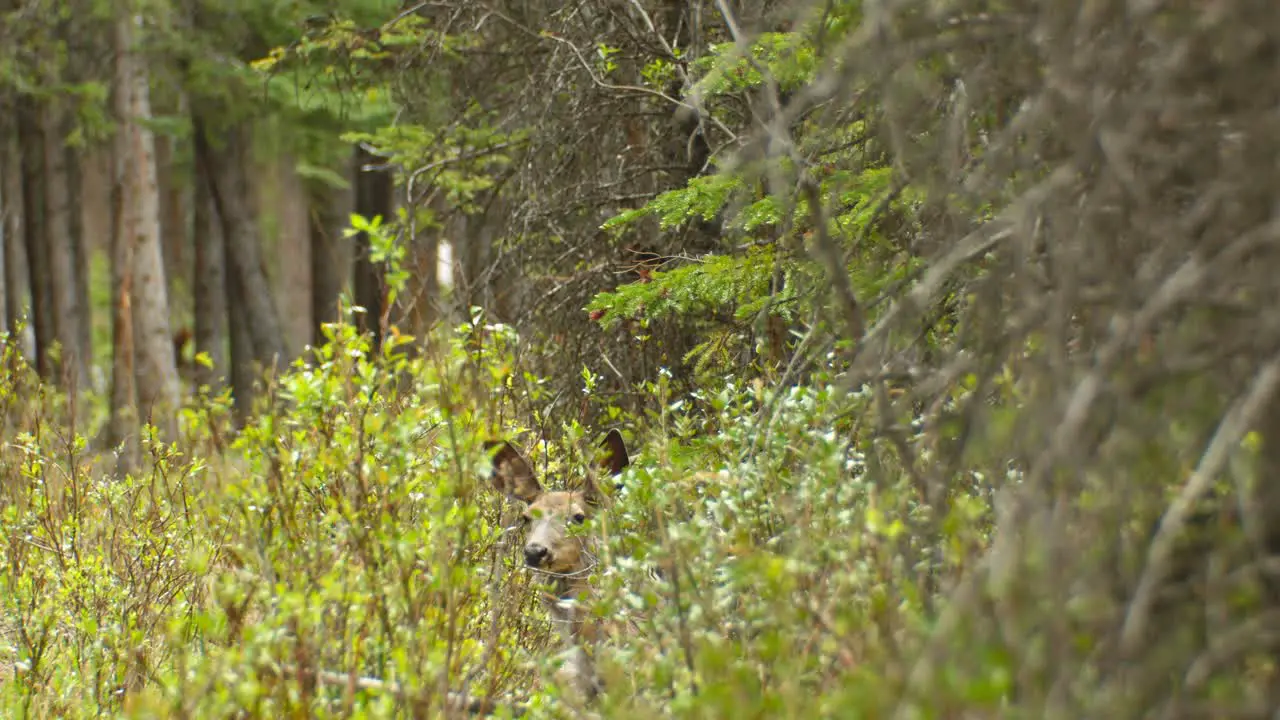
point(17, 275)
point(5, 233)
point(420, 302)
point(423, 292)
point(471, 263)
point(243, 374)
point(331, 255)
point(503, 286)
point(209, 293)
point(80, 259)
point(60, 246)
point(41, 311)
point(156, 372)
point(122, 428)
point(687, 148)
point(244, 257)
point(83, 66)
point(173, 215)
point(293, 246)
point(374, 196)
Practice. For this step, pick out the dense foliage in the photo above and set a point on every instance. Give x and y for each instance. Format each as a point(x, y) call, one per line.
point(939, 334)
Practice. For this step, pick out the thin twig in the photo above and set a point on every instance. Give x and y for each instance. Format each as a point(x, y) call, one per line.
point(456, 701)
point(1242, 416)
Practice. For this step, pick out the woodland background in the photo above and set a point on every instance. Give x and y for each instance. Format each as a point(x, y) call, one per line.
point(967, 304)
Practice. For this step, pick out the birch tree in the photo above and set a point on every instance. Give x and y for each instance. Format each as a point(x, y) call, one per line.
point(144, 355)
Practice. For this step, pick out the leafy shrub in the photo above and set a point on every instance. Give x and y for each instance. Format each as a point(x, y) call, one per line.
point(347, 530)
point(789, 594)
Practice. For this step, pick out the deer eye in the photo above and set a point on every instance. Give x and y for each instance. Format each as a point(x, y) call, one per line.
point(579, 518)
point(525, 518)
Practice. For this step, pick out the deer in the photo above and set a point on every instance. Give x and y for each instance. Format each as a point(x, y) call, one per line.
point(552, 549)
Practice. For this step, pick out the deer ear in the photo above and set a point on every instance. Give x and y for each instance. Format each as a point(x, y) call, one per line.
point(614, 458)
point(512, 474)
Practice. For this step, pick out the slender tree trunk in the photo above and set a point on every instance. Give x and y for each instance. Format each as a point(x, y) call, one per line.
point(471, 263)
point(83, 65)
point(80, 260)
point(210, 290)
point(293, 246)
point(17, 275)
point(423, 296)
point(5, 233)
point(60, 246)
point(374, 196)
point(156, 372)
point(331, 256)
point(33, 185)
point(243, 373)
point(502, 285)
point(122, 428)
point(173, 215)
point(420, 301)
point(243, 242)
point(460, 295)
point(686, 146)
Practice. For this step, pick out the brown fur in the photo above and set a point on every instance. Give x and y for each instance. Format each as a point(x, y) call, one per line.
point(553, 548)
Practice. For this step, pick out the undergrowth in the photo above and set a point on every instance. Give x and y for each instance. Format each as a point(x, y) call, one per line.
point(346, 543)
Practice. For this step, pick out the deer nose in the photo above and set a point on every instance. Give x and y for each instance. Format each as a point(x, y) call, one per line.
point(535, 554)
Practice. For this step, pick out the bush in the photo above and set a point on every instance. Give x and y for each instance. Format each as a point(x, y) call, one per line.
point(345, 530)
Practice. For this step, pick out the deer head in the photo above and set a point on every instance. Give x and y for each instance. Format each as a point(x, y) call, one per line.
point(549, 514)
